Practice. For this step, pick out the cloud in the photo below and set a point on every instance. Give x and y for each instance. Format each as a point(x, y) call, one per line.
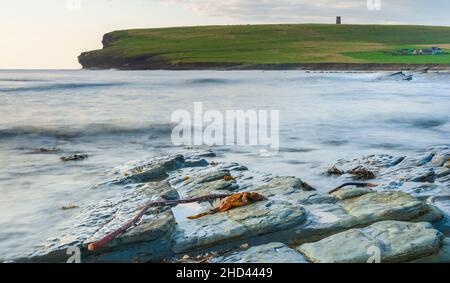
point(245, 9)
point(353, 11)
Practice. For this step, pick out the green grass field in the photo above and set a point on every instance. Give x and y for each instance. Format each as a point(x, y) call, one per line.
point(278, 44)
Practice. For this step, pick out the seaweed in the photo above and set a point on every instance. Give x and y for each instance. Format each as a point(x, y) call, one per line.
point(361, 173)
point(334, 171)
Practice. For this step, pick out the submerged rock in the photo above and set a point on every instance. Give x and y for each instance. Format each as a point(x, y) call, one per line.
point(400, 76)
point(48, 150)
point(392, 241)
point(74, 157)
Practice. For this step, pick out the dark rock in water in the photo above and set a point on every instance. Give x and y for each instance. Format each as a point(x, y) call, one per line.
point(401, 76)
point(48, 150)
point(424, 160)
point(397, 161)
point(74, 157)
point(307, 187)
point(68, 207)
point(425, 70)
point(396, 74)
point(425, 176)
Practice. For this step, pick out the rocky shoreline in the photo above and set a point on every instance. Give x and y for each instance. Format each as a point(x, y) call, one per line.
point(90, 61)
point(405, 218)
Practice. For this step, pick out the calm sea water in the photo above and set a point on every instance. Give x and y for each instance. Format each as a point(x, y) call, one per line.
point(117, 117)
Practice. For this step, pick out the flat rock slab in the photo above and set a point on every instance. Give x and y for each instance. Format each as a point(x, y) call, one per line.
point(393, 241)
point(379, 206)
point(325, 219)
point(209, 181)
point(241, 223)
point(269, 253)
point(351, 192)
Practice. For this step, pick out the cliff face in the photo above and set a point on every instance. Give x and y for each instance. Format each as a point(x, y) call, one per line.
point(99, 60)
point(91, 60)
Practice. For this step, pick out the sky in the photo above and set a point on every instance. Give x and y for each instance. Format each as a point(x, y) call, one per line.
point(50, 34)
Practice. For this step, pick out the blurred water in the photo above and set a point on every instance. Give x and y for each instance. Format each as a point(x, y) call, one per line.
point(116, 117)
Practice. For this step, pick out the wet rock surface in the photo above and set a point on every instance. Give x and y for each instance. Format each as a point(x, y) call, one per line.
point(391, 241)
point(442, 256)
point(293, 215)
point(424, 169)
point(269, 253)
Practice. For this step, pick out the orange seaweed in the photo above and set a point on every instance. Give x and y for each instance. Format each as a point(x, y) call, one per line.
point(233, 201)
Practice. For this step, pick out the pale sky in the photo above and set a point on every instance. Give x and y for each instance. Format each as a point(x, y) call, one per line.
point(50, 34)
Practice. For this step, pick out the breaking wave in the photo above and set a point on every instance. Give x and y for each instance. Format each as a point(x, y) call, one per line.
point(154, 131)
point(67, 86)
point(20, 80)
point(208, 81)
point(420, 122)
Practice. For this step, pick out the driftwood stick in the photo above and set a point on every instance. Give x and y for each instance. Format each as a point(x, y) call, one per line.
point(116, 233)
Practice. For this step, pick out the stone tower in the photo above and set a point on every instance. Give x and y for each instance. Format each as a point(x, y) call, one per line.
point(338, 20)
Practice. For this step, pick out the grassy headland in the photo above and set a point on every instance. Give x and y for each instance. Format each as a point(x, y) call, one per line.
point(266, 45)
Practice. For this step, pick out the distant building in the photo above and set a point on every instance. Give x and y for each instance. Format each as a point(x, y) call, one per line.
point(338, 20)
point(436, 50)
point(410, 51)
